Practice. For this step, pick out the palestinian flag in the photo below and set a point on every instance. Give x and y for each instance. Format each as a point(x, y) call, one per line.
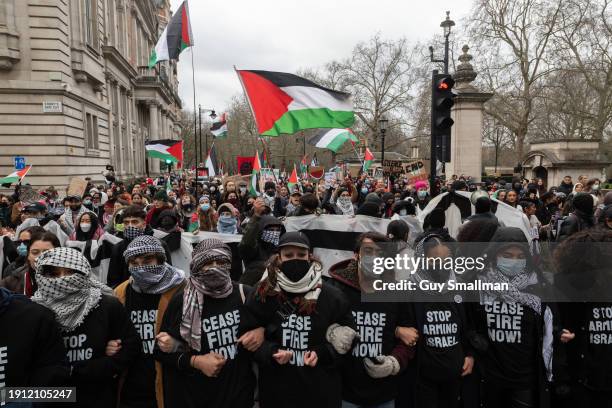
point(256, 169)
point(293, 179)
point(166, 149)
point(368, 159)
point(194, 222)
point(285, 103)
point(219, 128)
point(332, 139)
point(176, 37)
point(16, 176)
point(211, 162)
point(304, 165)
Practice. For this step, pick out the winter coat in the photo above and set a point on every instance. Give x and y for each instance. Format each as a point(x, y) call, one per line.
point(253, 251)
point(575, 222)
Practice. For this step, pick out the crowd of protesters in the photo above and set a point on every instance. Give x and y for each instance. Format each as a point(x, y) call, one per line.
point(265, 324)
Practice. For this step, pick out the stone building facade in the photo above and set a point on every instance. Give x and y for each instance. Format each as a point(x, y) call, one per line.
point(76, 93)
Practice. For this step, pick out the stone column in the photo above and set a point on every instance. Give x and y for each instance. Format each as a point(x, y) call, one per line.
point(466, 133)
point(153, 134)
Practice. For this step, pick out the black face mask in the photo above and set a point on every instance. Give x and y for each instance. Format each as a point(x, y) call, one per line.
point(295, 269)
point(75, 207)
point(270, 193)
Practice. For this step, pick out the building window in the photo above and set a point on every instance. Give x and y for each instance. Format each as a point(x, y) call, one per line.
point(91, 23)
point(91, 131)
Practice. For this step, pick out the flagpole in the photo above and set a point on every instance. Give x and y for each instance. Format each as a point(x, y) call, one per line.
point(195, 126)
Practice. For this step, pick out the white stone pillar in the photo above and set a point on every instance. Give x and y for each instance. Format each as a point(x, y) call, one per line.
point(153, 134)
point(466, 133)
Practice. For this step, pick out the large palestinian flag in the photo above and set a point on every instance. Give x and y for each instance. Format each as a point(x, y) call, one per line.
point(16, 176)
point(165, 150)
point(332, 139)
point(219, 128)
point(176, 37)
point(285, 103)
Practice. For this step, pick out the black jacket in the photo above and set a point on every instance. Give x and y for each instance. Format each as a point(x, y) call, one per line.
point(118, 270)
point(253, 251)
point(31, 347)
point(575, 222)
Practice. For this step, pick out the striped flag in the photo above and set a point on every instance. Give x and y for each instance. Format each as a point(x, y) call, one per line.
point(256, 170)
point(211, 162)
point(368, 159)
point(16, 176)
point(166, 149)
point(219, 128)
point(293, 179)
point(332, 139)
point(176, 37)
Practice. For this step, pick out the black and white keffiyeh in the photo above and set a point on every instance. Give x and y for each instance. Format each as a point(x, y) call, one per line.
point(70, 297)
point(155, 279)
point(345, 205)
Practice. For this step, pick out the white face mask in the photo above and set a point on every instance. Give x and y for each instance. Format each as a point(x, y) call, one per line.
point(85, 227)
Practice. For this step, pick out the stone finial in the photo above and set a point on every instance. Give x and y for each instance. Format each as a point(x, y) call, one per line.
point(465, 71)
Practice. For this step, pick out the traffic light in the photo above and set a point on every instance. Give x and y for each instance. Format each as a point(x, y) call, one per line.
point(442, 100)
point(168, 161)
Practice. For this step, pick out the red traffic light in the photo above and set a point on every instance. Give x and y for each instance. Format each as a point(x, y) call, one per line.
point(445, 84)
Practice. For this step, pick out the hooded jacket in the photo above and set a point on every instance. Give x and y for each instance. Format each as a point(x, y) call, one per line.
point(253, 251)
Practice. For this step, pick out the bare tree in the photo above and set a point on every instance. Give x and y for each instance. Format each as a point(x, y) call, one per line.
point(514, 36)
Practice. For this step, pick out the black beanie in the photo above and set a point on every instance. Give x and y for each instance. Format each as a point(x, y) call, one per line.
point(369, 208)
point(584, 203)
point(269, 185)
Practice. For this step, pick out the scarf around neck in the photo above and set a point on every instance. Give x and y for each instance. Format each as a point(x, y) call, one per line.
point(156, 279)
point(214, 282)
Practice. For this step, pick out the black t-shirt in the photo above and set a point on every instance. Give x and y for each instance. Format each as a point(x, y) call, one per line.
point(94, 374)
point(440, 353)
point(31, 348)
point(512, 355)
point(598, 358)
point(295, 384)
point(235, 384)
point(376, 323)
point(139, 387)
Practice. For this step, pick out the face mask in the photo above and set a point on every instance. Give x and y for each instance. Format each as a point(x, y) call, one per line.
point(75, 207)
point(213, 188)
point(270, 193)
point(595, 187)
point(511, 267)
point(364, 190)
point(150, 274)
point(421, 193)
point(243, 190)
point(119, 227)
point(132, 232)
point(270, 236)
point(295, 269)
point(87, 202)
point(403, 211)
point(366, 265)
point(22, 249)
point(217, 278)
point(3, 205)
point(205, 207)
point(85, 227)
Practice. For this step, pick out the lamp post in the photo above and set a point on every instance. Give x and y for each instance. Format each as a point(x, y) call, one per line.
point(382, 125)
point(198, 145)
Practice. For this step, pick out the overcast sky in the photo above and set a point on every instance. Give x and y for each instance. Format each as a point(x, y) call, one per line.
point(286, 35)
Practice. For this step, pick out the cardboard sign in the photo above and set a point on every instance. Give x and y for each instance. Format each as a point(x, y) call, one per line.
point(77, 186)
point(268, 175)
point(417, 171)
point(393, 167)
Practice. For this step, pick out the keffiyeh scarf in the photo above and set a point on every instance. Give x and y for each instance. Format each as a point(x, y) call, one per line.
point(155, 279)
point(214, 282)
point(345, 205)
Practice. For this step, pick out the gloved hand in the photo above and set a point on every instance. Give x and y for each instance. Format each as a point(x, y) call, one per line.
point(341, 337)
point(381, 366)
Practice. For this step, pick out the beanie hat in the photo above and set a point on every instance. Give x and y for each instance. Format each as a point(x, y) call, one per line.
point(161, 195)
point(374, 198)
point(269, 185)
point(207, 251)
point(369, 208)
point(144, 244)
point(583, 202)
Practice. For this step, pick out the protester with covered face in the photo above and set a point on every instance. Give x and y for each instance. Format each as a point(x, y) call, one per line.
point(370, 370)
point(227, 223)
point(146, 296)
point(185, 209)
point(133, 219)
point(206, 216)
point(516, 358)
point(71, 213)
point(17, 250)
point(304, 320)
point(87, 228)
point(259, 241)
point(160, 203)
point(89, 317)
point(204, 361)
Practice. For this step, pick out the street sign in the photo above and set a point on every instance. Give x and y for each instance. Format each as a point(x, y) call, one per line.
point(52, 107)
point(20, 163)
